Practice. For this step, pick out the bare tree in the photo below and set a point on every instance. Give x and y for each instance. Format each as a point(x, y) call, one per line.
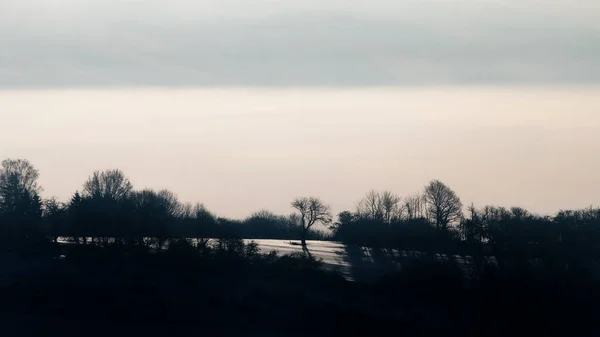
point(169, 203)
point(369, 207)
point(519, 212)
point(390, 204)
point(18, 185)
point(443, 205)
point(312, 211)
point(112, 184)
point(384, 206)
point(21, 173)
point(471, 228)
point(187, 211)
point(202, 223)
point(266, 215)
point(414, 206)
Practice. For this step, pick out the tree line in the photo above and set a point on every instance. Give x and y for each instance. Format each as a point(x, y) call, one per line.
point(108, 209)
point(434, 221)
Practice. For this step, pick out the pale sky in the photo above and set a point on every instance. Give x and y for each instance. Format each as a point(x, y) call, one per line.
point(244, 105)
point(240, 150)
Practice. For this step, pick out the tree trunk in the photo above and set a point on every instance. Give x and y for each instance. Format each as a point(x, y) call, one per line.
point(304, 237)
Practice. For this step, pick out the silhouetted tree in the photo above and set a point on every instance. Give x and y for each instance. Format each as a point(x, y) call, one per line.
point(312, 211)
point(105, 207)
point(55, 215)
point(384, 206)
point(155, 212)
point(204, 216)
point(18, 185)
point(443, 205)
point(392, 207)
point(472, 228)
point(345, 219)
point(75, 224)
point(579, 236)
point(112, 184)
point(20, 203)
point(265, 224)
point(205, 225)
point(21, 173)
point(414, 206)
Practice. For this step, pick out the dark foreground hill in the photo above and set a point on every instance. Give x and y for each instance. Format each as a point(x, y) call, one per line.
point(232, 290)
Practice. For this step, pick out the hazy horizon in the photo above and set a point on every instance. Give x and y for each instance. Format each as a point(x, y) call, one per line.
point(239, 150)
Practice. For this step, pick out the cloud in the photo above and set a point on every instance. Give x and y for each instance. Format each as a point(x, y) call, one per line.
point(294, 43)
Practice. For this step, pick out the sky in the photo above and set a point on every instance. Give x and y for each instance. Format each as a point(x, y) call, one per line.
point(71, 43)
point(246, 105)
